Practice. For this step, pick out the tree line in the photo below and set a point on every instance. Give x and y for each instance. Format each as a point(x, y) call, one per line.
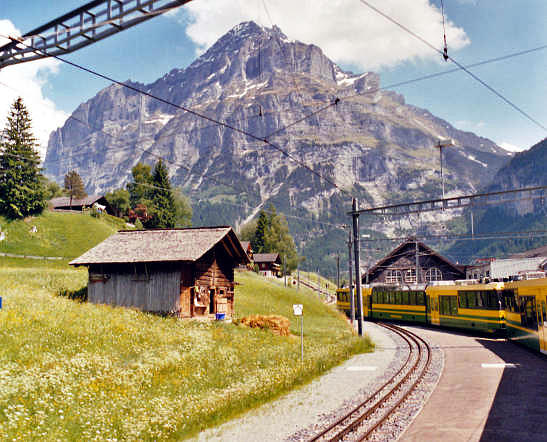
point(149, 199)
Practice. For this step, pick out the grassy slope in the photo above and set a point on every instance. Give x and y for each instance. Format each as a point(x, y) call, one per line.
point(59, 234)
point(83, 372)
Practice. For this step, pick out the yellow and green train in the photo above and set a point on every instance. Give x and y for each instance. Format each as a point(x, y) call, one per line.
point(516, 309)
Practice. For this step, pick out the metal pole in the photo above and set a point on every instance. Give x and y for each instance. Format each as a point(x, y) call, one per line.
point(302, 338)
point(417, 263)
point(338, 271)
point(472, 224)
point(441, 155)
point(357, 269)
point(351, 297)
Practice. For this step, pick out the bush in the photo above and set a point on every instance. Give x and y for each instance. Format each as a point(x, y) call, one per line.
point(279, 325)
point(76, 295)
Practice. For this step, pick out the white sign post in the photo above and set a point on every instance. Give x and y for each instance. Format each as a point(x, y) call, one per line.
point(298, 310)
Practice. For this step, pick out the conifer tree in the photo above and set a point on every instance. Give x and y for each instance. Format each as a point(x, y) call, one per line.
point(163, 210)
point(22, 191)
point(74, 186)
point(257, 243)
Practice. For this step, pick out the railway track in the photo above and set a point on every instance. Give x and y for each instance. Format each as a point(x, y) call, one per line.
point(366, 419)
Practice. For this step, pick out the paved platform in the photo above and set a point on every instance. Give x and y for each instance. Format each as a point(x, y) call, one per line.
point(490, 390)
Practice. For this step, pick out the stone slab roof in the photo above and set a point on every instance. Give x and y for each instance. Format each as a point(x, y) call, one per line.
point(266, 257)
point(129, 246)
point(64, 201)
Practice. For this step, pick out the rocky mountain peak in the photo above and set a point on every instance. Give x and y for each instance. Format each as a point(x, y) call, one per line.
point(257, 80)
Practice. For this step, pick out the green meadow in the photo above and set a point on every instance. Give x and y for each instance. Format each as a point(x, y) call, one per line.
point(78, 371)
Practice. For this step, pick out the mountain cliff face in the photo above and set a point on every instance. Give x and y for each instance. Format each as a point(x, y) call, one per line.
point(526, 169)
point(255, 79)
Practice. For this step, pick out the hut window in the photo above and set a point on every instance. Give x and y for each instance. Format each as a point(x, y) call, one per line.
point(433, 274)
point(410, 275)
point(394, 276)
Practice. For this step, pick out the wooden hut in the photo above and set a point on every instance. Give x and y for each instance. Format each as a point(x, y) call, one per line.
point(185, 272)
point(399, 266)
point(269, 264)
point(63, 203)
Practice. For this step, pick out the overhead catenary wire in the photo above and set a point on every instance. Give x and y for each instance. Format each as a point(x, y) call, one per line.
point(197, 114)
point(462, 67)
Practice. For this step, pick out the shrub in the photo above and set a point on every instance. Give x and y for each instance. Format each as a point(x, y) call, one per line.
point(76, 295)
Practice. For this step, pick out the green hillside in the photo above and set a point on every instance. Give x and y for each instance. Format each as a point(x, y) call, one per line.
point(72, 371)
point(66, 235)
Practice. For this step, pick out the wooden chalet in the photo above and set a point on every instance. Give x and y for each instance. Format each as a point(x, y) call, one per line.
point(269, 264)
point(399, 266)
point(185, 272)
point(63, 203)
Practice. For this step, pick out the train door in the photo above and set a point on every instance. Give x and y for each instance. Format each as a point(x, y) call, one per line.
point(542, 323)
point(433, 305)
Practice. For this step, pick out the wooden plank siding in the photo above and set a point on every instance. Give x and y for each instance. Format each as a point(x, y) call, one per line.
point(153, 290)
point(184, 272)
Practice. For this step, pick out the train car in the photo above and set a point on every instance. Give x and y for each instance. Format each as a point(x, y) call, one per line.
point(525, 312)
point(407, 303)
point(343, 301)
point(468, 306)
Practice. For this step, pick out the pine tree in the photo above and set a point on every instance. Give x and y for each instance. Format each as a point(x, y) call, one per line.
point(74, 186)
point(257, 243)
point(22, 191)
point(163, 210)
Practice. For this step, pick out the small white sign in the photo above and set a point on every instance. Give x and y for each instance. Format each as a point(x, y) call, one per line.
point(297, 309)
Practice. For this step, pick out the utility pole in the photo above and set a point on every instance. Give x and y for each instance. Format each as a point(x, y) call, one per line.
point(338, 271)
point(284, 271)
point(355, 216)
point(351, 297)
point(417, 263)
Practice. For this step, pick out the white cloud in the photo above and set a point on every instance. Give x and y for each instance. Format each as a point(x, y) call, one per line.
point(27, 80)
point(348, 31)
point(511, 147)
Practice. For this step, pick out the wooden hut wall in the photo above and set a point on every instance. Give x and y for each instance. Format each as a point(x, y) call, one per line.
point(152, 287)
point(215, 269)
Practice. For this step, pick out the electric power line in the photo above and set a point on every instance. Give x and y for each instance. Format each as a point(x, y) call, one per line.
point(195, 113)
point(467, 71)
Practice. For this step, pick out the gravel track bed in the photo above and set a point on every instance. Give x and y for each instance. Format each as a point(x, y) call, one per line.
point(302, 413)
point(404, 415)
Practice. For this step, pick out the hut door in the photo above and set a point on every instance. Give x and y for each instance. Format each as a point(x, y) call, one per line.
point(186, 282)
point(212, 301)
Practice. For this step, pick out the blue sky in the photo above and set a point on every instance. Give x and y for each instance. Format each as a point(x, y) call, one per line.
point(350, 33)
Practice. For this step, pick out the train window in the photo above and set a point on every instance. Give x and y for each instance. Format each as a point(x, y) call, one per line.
point(420, 298)
point(528, 315)
point(462, 299)
point(493, 301)
point(405, 300)
point(412, 298)
point(375, 298)
point(398, 296)
point(444, 305)
point(453, 305)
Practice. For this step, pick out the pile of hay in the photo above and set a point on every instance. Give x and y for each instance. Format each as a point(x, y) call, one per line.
point(279, 325)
